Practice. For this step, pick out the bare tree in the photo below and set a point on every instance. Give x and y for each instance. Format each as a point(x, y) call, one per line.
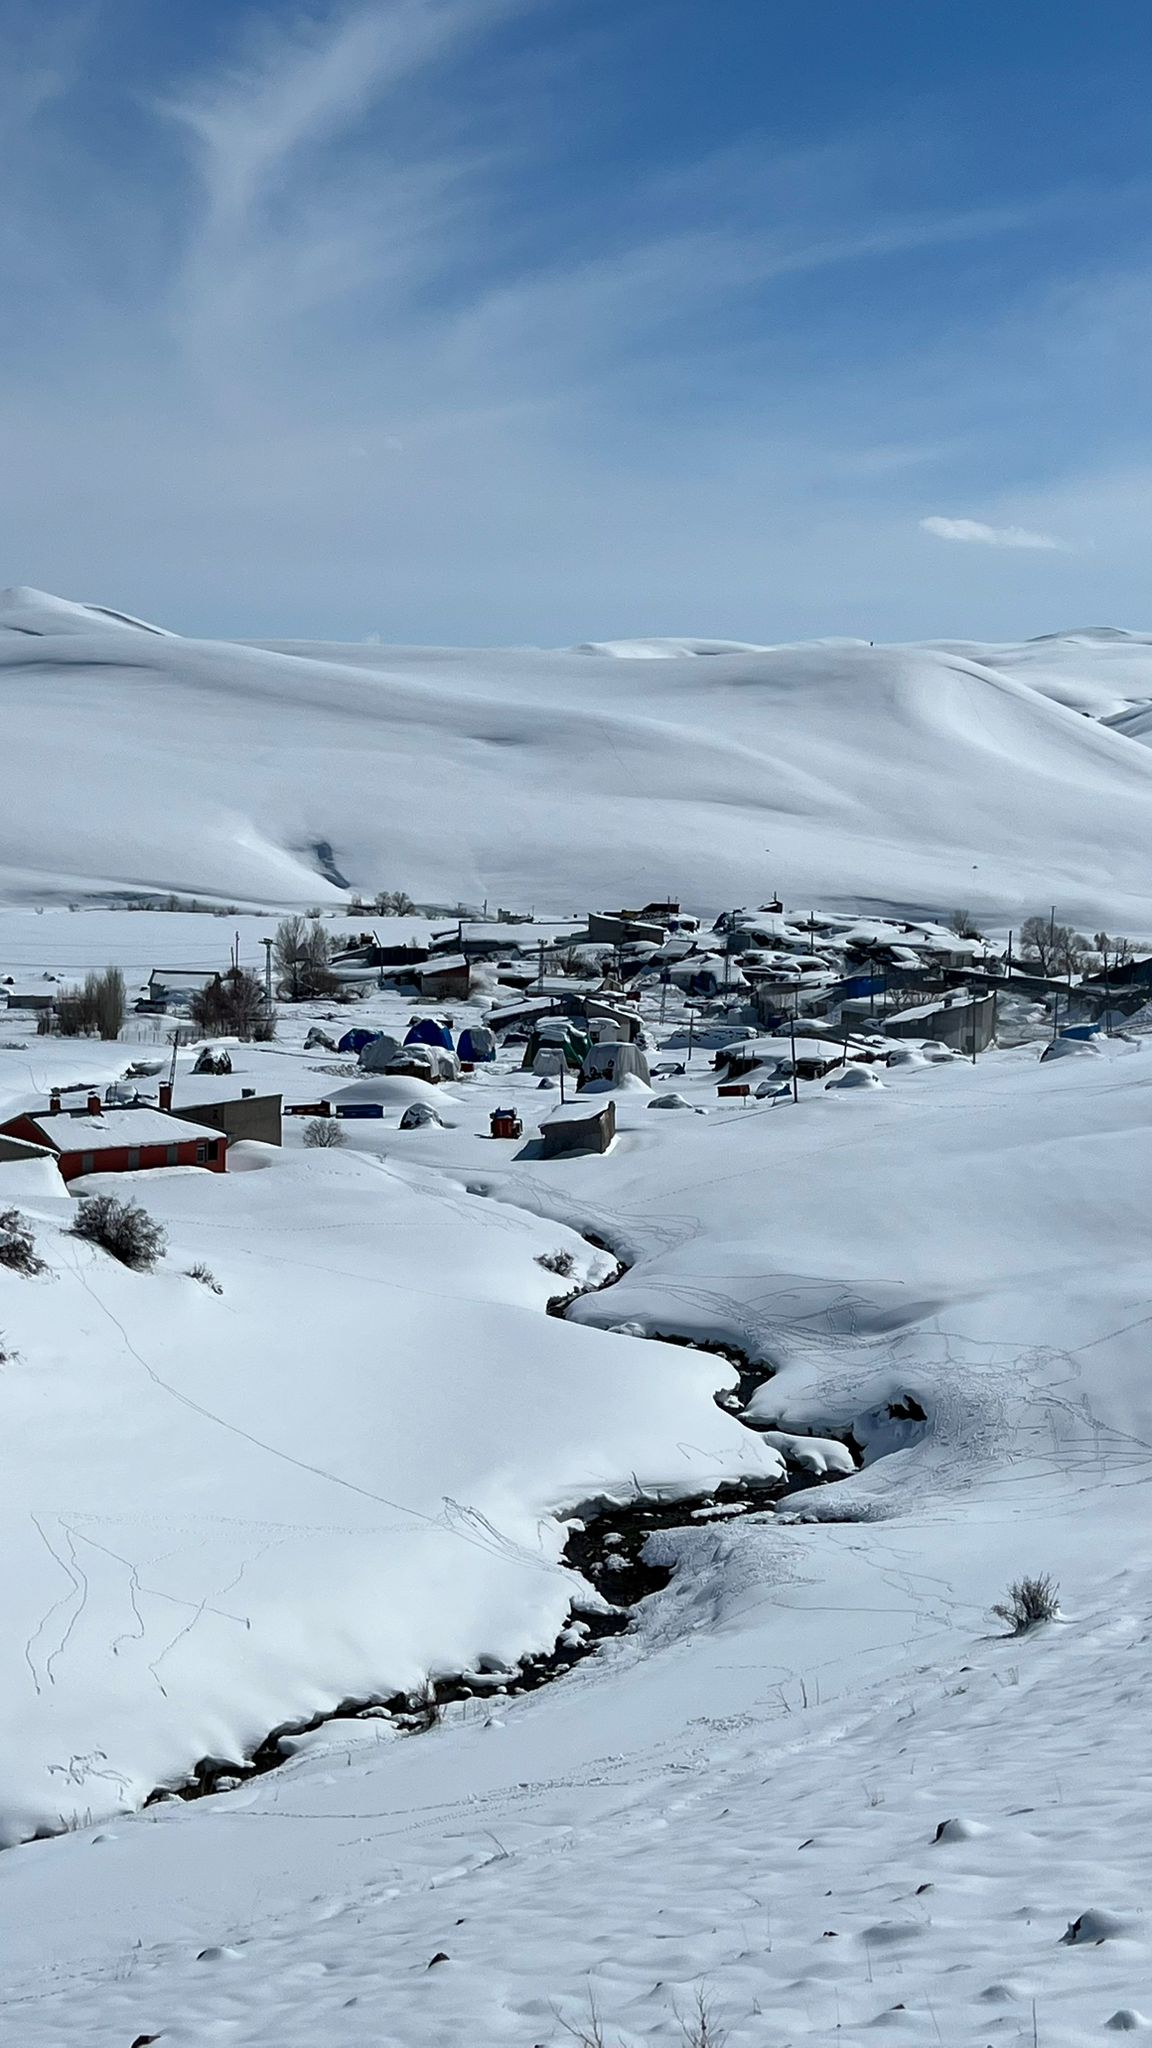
point(233, 1005)
point(303, 958)
point(96, 1010)
point(1053, 948)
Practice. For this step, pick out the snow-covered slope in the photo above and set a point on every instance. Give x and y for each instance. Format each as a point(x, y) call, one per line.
point(817, 1785)
point(915, 776)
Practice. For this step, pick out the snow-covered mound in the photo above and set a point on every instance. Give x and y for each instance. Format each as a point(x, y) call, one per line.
point(911, 776)
point(336, 1476)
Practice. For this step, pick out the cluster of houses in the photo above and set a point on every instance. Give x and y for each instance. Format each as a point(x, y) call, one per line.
point(775, 997)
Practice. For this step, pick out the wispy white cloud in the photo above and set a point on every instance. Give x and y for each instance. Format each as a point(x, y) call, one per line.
point(989, 536)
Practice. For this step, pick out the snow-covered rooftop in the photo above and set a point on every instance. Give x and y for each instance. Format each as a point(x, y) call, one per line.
point(115, 1128)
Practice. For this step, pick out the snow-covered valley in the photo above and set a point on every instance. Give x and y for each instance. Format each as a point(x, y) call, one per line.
point(353, 1466)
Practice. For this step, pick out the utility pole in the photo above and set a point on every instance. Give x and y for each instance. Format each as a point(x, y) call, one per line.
point(792, 1037)
point(268, 945)
point(172, 1063)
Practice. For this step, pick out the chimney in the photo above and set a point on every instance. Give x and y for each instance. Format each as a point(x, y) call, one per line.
point(166, 1096)
point(54, 1102)
point(95, 1105)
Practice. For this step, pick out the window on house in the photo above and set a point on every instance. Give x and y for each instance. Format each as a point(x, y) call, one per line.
point(133, 1159)
point(87, 1162)
point(172, 1154)
point(202, 1154)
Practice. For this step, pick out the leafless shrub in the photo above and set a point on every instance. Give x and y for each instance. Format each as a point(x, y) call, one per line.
point(97, 1009)
point(323, 1133)
point(205, 1275)
point(123, 1229)
point(587, 2033)
point(699, 2026)
point(17, 1245)
point(1029, 1602)
point(562, 1263)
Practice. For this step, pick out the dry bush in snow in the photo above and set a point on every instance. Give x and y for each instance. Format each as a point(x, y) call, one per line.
point(17, 1246)
point(123, 1229)
point(1029, 1602)
point(205, 1275)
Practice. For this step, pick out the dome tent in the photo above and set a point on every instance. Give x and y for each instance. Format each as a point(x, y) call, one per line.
point(477, 1044)
point(355, 1040)
point(427, 1031)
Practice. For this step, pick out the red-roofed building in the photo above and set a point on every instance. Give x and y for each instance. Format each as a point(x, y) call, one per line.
point(114, 1140)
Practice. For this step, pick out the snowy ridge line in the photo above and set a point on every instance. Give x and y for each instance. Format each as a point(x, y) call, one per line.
point(910, 776)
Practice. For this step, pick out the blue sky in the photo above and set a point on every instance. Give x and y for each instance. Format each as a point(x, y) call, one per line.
point(544, 320)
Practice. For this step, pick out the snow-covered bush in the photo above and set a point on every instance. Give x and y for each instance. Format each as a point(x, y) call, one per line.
point(123, 1229)
point(1029, 1602)
point(323, 1133)
point(17, 1246)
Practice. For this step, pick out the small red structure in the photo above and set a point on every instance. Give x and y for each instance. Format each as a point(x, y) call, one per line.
point(506, 1124)
point(734, 1088)
point(99, 1140)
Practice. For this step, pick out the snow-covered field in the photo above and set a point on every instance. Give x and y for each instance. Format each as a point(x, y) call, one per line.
point(222, 1512)
point(923, 776)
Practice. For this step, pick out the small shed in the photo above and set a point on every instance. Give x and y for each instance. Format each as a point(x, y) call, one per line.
point(579, 1127)
point(446, 980)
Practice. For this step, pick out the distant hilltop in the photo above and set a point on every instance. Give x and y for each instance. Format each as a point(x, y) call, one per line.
point(920, 778)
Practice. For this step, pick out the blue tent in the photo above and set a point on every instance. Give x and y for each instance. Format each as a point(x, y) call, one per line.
point(428, 1032)
point(356, 1040)
point(477, 1045)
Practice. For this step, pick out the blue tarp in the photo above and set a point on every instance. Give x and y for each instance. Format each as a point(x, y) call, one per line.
point(355, 1041)
point(428, 1032)
point(477, 1045)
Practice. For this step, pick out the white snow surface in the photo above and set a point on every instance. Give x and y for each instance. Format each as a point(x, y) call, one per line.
point(815, 1783)
point(927, 776)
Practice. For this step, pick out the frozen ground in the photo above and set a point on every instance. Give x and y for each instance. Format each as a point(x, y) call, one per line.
point(926, 776)
point(741, 1796)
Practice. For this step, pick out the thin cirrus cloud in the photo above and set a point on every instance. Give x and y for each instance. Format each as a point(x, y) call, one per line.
point(975, 531)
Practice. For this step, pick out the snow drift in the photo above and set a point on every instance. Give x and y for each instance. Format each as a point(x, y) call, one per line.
point(926, 776)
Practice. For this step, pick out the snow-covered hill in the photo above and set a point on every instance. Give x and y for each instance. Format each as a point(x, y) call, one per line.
point(929, 776)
